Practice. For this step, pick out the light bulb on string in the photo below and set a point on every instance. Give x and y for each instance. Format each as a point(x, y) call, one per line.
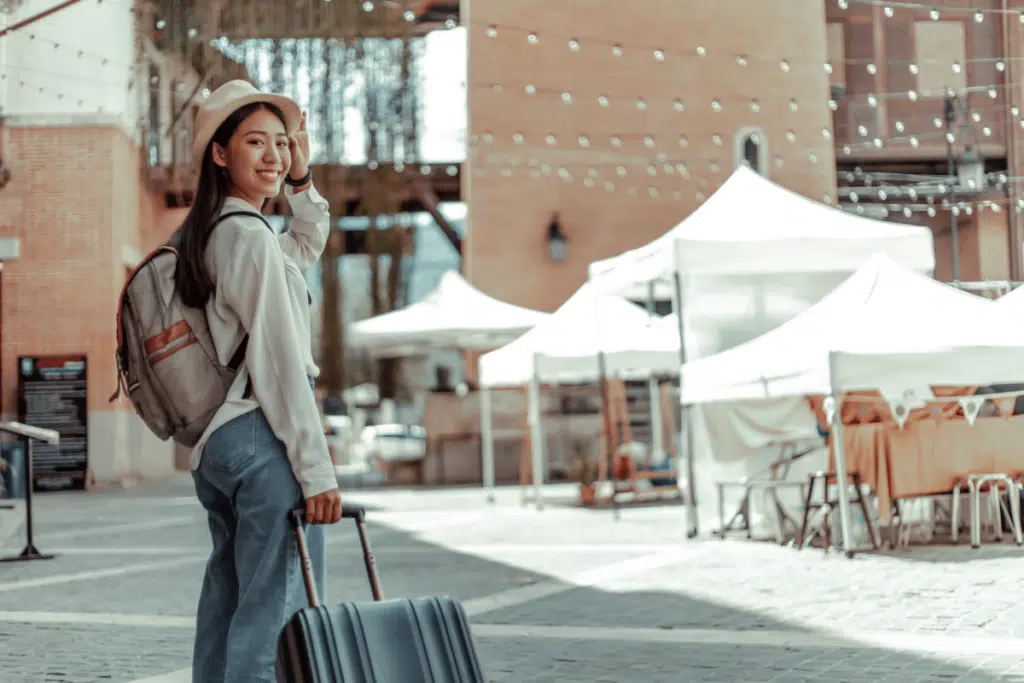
point(888, 11)
point(934, 14)
point(979, 17)
point(616, 50)
point(574, 45)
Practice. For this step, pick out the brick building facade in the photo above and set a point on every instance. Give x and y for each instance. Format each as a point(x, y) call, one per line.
point(556, 123)
point(82, 204)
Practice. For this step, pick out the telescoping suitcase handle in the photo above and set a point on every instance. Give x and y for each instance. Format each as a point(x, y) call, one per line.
point(356, 512)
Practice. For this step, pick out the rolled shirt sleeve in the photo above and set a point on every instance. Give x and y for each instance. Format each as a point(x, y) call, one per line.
point(306, 238)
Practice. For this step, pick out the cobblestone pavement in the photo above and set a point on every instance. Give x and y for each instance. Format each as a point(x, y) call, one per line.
point(562, 595)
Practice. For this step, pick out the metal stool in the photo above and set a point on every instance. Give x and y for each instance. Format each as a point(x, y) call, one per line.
point(992, 481)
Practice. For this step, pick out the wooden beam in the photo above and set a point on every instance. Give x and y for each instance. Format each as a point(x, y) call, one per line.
point(427, 195)
point(188, 100)
point(36, 17)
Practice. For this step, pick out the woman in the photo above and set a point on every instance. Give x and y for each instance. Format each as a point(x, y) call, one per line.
point(265, 451)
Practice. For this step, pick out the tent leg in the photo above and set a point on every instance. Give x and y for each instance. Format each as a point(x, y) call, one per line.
point(838, 448)
point(487, 445)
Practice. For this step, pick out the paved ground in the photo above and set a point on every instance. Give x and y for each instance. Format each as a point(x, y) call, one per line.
point(563, 595)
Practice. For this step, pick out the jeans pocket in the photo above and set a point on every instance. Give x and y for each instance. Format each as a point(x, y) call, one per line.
point(232, 445)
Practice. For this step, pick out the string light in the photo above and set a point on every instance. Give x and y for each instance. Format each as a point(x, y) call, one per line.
point(591, 178)
point(604, 99)
point(784, 63)
point(889, 9)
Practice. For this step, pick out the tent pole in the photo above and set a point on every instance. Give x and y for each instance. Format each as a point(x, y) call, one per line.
point(487, 444)
point(657, 440)
point(602, 373)
point(537, 441)
point(839, 449)
point(686, 413)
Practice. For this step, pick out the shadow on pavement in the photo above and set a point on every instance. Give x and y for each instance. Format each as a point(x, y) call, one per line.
point(575, 635)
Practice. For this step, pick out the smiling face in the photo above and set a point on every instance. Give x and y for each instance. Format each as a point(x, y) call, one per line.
point(256, 157)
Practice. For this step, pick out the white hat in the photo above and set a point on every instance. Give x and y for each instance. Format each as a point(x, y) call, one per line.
point(229, 98)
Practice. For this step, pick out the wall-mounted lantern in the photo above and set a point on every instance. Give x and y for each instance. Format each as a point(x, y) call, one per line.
point(556, 240)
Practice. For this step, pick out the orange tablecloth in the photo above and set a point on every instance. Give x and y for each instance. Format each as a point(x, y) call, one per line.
point(927, 456)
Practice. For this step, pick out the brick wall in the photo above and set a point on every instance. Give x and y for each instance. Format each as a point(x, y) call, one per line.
point(75, 202)
point(513, 187)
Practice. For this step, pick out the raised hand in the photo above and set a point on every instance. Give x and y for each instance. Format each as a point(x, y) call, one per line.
point(298, 144)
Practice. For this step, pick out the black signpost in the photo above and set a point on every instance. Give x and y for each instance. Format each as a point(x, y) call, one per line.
point(30, 434)
point(52, 395)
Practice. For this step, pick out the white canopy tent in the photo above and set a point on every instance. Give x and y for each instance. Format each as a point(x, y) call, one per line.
point(770, 253)
point(1014, 299)
point(590, 336)
point(455, 315)
point(886, 328)
point(752, 225)
point(893, 321)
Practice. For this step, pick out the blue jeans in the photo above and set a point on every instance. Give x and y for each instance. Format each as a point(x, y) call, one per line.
point(253, 582)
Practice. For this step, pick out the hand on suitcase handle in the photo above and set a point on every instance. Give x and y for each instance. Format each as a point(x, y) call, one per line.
point(356, 512)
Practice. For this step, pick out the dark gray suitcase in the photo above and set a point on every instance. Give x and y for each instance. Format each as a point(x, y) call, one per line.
point(419, 640)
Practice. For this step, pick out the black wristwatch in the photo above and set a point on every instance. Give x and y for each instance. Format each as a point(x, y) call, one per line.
point(301, 181)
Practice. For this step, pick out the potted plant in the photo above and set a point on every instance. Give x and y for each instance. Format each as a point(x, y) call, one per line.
point(585, 472)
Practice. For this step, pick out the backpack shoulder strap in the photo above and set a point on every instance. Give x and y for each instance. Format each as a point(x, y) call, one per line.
point(239, 356)
point(229, 214)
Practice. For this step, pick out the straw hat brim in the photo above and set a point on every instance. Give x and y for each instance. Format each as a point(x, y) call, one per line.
point(291, 111)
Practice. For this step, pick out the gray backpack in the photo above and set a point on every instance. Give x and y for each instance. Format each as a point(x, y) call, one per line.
point(167, 364)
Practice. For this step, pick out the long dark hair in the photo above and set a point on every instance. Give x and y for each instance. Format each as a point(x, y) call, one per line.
point(193, 279)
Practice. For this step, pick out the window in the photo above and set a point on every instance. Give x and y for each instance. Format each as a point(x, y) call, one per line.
point(940, 54)
point(750, 148)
